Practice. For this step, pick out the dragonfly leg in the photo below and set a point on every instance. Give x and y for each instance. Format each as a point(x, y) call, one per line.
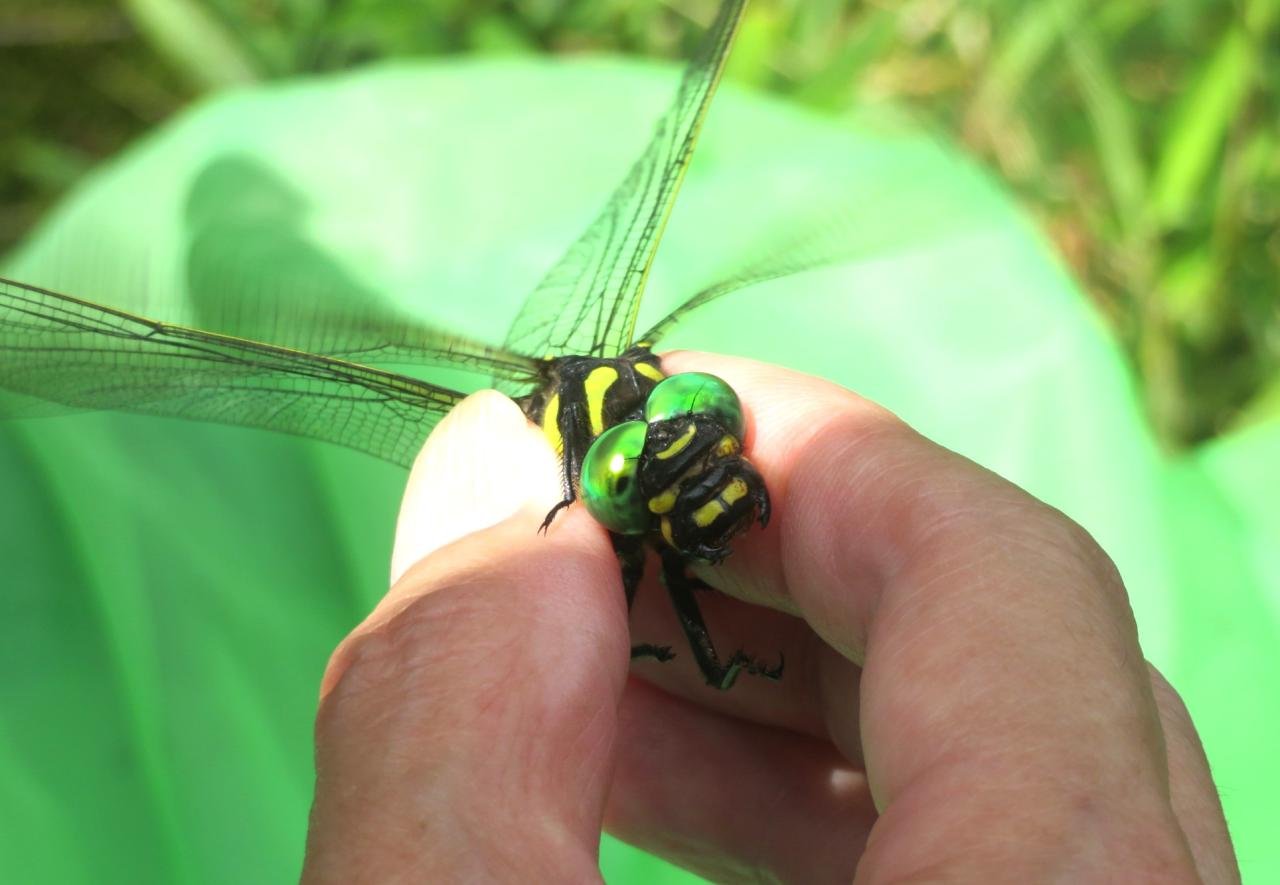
point(660, 653)
point(572, 423)
point(568, 461)
point(630, 552)
point(718, 674)
point(553, 513)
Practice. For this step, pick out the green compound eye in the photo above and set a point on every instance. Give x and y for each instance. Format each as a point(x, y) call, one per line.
point(697, 393)
point(610, 487)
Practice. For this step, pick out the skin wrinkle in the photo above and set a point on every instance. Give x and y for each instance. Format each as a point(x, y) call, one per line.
point(806, 668)
point(976, 764)
point(1106, 576)
point(588, 741)
point(1024, 849)
point(712, 750)
point(926, 592)
point(774, 804)
point(384, 630)
point(595, 741)
point(840, 691)
point(1202, 822)
point(919, 654)
point(416, 659)
point(760, 861)
point(805, 543)
point(679, 843)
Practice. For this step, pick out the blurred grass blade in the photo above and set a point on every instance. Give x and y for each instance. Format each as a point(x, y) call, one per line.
point(194, 42)
point(869, 40)
point(1110, 116)
point(1030, 40)
point(1200, 126)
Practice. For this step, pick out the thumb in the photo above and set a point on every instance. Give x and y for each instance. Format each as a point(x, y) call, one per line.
point(466, 729)
point(482, 464)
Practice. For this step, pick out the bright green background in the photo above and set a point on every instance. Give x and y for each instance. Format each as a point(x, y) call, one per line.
point(177, 588)
point(1141, 134)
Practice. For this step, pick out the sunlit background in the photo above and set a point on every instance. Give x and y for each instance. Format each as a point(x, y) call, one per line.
point(1142, 134)
point(1141, 137)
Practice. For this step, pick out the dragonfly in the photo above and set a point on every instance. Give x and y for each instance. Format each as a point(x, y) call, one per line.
point(657, 459)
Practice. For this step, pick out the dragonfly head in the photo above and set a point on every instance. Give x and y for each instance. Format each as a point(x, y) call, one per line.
point(679, 474)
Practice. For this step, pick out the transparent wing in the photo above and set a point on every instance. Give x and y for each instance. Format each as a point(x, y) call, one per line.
point(789, 258)
point(588, 302)
point(60, 354)
point(254, 267)
point(838, 233)
point(322, 311)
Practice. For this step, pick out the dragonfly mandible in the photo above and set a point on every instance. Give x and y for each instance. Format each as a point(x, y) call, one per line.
point(60, 353)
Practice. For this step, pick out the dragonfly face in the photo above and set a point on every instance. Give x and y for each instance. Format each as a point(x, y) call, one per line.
point(692, 473)
point(651, 455)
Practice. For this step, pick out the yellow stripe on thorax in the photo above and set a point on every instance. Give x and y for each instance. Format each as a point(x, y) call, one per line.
point(596, 387)
point(550, 423)
point(679, 445)
point(653, 373)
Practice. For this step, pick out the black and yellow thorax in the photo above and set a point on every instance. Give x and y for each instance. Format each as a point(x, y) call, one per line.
point(581, 397)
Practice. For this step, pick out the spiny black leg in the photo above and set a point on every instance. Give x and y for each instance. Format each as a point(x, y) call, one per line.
point(571, 419)
point(660, 653)
point(718, 675)
point(552, 513)
point(630, 552)
point(566, 489)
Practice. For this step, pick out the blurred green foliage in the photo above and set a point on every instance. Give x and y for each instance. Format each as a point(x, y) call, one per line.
point(1143, 134)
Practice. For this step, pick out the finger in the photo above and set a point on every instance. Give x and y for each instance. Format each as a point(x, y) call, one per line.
point(466, 728)
point(734, 801)
point(1001, 660)
point(483, 463)
point(1194, 796)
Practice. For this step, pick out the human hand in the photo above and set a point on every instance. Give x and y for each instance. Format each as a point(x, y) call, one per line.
point(964, 699)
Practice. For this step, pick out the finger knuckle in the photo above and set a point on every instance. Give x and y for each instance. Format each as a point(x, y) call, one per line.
point(397, 657)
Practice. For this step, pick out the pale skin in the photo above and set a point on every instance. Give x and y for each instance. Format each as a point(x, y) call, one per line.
point(965, 697)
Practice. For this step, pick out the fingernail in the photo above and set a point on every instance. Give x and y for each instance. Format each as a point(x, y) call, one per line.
point(481, 464)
